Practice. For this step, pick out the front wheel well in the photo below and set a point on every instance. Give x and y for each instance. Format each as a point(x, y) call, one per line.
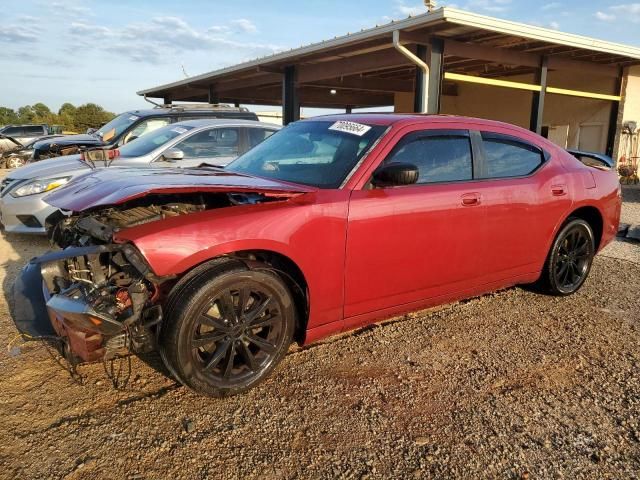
point(593, 217)
point(290, 273)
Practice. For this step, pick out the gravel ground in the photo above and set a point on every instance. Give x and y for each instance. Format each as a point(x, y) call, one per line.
point(509, 385)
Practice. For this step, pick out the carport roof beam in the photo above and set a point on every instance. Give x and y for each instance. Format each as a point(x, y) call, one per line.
point(528, 86)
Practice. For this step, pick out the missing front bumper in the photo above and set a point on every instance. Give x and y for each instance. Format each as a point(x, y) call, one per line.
point(30, 313)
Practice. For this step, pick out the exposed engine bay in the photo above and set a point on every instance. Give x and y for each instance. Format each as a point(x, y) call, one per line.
point(102, 298)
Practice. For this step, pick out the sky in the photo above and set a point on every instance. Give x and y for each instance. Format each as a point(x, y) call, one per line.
point(78, 51)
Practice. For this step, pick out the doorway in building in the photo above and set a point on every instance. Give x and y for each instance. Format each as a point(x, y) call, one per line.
point(558, 134)
point(592, 137)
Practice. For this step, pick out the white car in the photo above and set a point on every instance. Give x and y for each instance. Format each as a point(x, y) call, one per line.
point(191, 143)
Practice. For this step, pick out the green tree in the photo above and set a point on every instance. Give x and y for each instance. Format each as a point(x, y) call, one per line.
point(67, 115)
point(26, 114)
point(7, 116)
point(70, 117)
point(91, 115)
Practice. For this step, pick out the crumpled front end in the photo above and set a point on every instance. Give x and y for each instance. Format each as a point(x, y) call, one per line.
point(99, 293)
point(98, 300)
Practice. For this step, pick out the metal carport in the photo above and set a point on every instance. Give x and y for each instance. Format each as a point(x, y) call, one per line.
point(416, 63)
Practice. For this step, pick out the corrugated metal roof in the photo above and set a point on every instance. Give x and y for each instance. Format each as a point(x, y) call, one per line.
point(444, 15)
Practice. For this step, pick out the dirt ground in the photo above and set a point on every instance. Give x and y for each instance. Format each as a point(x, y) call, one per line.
point(509, 385)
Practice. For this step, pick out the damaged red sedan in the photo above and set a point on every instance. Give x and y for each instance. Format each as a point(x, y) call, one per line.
point(330, 224)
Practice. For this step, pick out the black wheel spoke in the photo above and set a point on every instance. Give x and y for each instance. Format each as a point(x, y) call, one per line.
point(249, 357)
point(226, 307)
point(207, 339)
point(258, 311)
point(264, 322)
point(566, 274)
point(261, 343)
point(231, 355)
point(218, 355)
point(563, 268)
point(243, 298)
point(213, 322)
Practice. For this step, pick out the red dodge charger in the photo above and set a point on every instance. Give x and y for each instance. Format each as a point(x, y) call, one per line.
point(330, 224)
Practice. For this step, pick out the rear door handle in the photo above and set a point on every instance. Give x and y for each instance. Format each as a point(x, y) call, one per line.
point(470, 199)
point(559, 190)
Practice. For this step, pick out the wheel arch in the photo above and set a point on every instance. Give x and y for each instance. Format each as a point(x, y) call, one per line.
point(593, 216)
point(264, 259)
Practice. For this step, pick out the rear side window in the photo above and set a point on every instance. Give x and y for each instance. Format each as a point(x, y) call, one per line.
point(506, 156)
point(441, 156)
point(33, 131)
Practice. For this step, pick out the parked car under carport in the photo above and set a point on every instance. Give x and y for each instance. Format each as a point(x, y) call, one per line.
point(214, 142)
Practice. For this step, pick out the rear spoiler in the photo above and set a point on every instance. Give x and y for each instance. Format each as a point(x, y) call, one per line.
point(592, 159)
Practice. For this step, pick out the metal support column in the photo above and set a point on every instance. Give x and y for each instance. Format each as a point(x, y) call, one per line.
point(290, 101)
point(436, 74)
point(421, 83)
point(213, 95)
point(613, 118)
point(348, 109)
point(537, 104)
point(166, 100)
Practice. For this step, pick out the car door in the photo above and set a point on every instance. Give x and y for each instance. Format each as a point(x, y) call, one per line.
point(410, 243)
point(525, 194)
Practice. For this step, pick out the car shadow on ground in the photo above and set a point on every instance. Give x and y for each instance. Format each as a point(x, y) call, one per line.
point(631, 193)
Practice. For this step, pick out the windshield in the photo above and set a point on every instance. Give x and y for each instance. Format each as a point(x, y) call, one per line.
point(116, 126)
point(149, 142)
point(317, 153)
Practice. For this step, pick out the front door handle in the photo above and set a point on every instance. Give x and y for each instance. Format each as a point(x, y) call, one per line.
point(470, 199)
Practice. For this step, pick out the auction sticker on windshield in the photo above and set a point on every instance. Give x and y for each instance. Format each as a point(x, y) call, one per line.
point(350, 127)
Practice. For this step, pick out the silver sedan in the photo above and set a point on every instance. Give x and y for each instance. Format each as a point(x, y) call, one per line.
point(186, 144)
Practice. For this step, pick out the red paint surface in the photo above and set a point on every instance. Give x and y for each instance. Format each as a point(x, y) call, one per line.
point(368, 254)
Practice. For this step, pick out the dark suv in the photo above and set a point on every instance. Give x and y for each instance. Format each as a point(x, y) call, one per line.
point(133, 124)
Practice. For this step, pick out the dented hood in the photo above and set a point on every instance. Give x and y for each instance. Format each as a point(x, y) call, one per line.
point(117, 185)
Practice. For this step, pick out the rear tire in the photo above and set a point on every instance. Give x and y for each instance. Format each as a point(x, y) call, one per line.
point(227, 329)
point(570, 258)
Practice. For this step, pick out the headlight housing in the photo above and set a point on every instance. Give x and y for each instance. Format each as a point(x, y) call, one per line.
point(39, 186)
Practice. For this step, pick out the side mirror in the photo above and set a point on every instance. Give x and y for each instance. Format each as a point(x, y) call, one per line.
point(173, 154)
point(395, 174)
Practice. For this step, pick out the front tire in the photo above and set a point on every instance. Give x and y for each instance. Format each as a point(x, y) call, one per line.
point(228, 329)
point(569, 261)
point(14, 162)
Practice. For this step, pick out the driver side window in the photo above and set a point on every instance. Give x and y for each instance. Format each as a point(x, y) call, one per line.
point(441, 156)
point(217, 142)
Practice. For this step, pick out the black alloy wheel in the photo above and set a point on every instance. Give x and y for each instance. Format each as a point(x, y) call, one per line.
point(570, 258)
point(230, 331)
point(236, 335)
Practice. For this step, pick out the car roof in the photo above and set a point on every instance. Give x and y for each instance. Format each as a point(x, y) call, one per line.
point(381, 118)
point(178, 110)
point(205, 122)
